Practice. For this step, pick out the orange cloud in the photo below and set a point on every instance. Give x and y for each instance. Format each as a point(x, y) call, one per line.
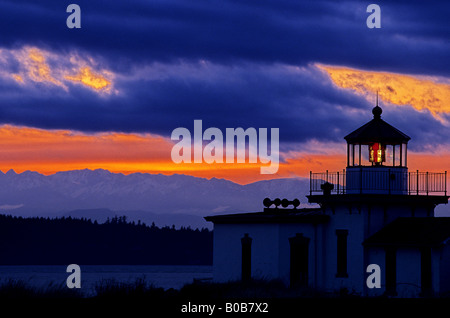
point(419, 92)
point(87, 77)
point(38, 65)
point(17, 77)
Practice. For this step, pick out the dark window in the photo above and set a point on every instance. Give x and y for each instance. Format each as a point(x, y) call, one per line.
point(246, 242)
point(391, 271)
point(298, 260)
point(341, 253)
point(425, 271)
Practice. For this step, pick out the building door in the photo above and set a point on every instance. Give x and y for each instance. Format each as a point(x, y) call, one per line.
point(298, 260)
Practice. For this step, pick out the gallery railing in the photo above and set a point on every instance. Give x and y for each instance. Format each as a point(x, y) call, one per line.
point(390, 181)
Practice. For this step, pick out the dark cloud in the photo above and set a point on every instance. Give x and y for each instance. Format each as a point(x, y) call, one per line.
point(302, 102)
point(250, 46)
point(413, 38)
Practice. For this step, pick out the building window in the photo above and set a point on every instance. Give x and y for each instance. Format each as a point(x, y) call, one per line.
point(246, 242)
point(298, 260)
point(391, 271)
point(341, 253)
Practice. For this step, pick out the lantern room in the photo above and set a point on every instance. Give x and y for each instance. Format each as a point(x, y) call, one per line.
point(377, 158)
point(377, 164)
point(377, 144)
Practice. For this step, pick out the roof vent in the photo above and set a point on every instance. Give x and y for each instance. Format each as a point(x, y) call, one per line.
point(284, 203)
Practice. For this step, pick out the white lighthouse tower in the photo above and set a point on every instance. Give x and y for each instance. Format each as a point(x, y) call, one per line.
point(378, 212)
point(372, 212)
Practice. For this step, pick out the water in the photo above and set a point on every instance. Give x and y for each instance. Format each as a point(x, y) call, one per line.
point(159, 275)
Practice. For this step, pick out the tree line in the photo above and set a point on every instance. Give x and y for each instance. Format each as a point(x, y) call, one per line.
point(67, 240)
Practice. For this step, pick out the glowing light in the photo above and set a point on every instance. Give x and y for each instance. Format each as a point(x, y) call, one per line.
point(377, 153)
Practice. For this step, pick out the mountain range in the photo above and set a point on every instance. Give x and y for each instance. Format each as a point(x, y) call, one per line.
point(178, 200)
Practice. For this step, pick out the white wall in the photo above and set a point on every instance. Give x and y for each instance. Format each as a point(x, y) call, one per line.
point(354, 223)
point(270, 250)
point(227, 253)
point(376, 180)
point(408, 272)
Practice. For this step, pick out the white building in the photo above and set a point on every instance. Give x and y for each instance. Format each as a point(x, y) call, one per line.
point(374, 212)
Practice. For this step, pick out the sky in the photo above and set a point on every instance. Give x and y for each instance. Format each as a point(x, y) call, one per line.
point(109, 94)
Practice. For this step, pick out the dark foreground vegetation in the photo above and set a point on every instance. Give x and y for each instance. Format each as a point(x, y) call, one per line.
point(133, 299)
point(140, 288)
point(63, 241)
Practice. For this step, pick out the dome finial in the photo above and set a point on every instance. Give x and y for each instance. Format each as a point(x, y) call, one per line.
point(376, 111)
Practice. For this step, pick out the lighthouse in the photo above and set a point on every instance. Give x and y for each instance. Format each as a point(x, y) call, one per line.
point(374, 204)
point(373, 213)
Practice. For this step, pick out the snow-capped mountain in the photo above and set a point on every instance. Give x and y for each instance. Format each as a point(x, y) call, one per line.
point(100, 194)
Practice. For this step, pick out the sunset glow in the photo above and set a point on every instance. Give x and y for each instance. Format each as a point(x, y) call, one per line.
point(50, 151)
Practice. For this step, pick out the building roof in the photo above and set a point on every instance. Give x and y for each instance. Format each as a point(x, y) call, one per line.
point(272, 215)
point(377, 130)
point(412, 232)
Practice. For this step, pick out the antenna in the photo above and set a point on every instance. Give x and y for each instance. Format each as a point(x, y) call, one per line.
point(377, 98)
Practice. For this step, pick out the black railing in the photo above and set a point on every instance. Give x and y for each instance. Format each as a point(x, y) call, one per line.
point(427, 182)
point(387, 181)
point(337, 179)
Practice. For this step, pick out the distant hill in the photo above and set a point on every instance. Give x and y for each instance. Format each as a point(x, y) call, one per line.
point(164, 199)
point(63, 241)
